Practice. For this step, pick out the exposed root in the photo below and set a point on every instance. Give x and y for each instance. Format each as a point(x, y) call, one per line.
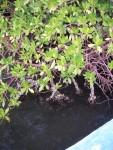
point(108, 101)
point(78, 90)
point(92, 97)
point(57, 97)
point(53, 89)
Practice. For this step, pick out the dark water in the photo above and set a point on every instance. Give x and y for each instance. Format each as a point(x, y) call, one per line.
point(35, 127)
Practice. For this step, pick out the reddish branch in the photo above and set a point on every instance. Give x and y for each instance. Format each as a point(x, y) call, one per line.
point(97, 62)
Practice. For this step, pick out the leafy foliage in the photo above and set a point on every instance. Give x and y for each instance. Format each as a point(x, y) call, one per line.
point(44, 40)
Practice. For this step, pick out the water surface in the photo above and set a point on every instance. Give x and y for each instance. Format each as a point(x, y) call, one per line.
point(36, 127)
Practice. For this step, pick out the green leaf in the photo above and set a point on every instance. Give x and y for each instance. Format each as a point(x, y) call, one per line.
point(6, 111)
point(14, 102)
point(53, 64)
point(91, 45)
point(110, 65)
point(98, 40)
point(69, 81)
point(7, 60)
point(3, 103)
point(111, 32)
point(7, 118)
point(31, 90)
point(57, 86)
point(90, 77)
point(110, 48)
point(99, 49)
point(41, 88)
point(26, 2)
